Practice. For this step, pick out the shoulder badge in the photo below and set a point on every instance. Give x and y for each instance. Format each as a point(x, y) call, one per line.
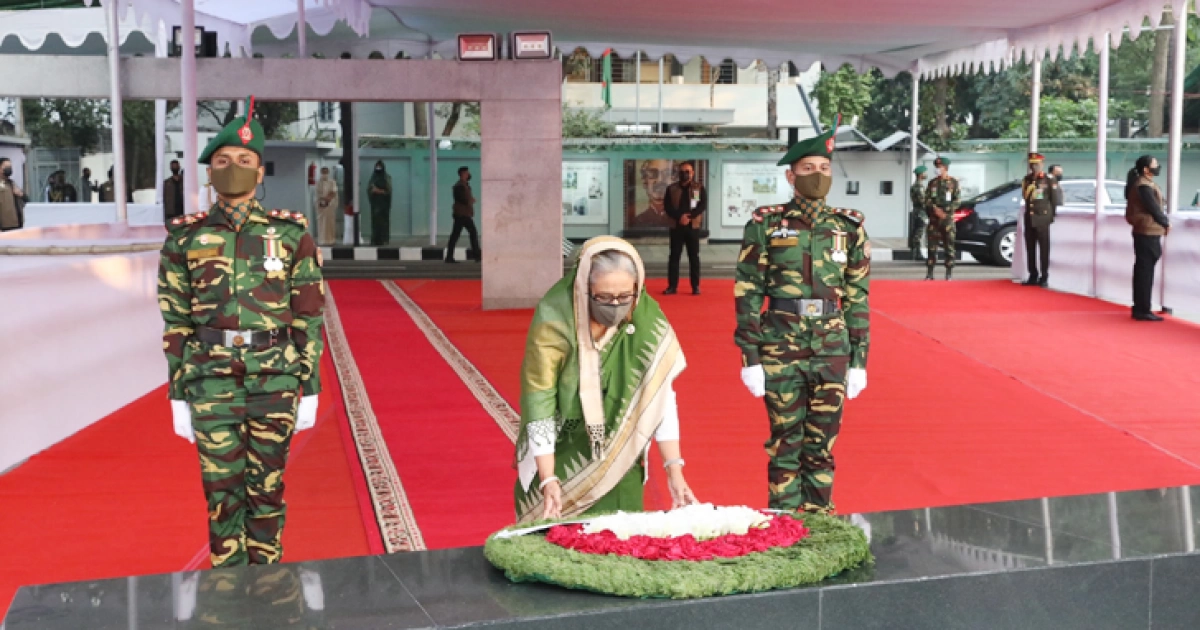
point(760, 214)
point(854, 215)
point(188, 219)
point(294, 217)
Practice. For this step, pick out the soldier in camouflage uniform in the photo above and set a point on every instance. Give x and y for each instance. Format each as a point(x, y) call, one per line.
point(242, 299)
point(808, 351)
point(941, 200)
point(918, 218)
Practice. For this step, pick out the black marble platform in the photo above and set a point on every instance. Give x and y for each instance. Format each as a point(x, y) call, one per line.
point(1115, 561)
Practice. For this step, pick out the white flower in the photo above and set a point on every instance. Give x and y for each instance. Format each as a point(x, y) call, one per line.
point(629, 330)
point(703, 521)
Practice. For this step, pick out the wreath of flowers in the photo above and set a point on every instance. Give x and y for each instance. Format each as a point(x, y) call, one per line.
point(779, 531)
point(824, 546)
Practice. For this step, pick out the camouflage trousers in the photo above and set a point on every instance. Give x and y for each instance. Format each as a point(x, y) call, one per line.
point(243, 442)
point(804, 403)
point(942, 233)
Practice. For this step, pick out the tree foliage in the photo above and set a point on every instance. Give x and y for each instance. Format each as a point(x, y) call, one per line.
point(1060, 118)
point(844, 91)
point(61, 123)
point(581, 123)
point(996, 105)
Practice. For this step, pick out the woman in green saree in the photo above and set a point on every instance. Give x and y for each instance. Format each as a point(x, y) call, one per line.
point(380, 193)
point(596, 386)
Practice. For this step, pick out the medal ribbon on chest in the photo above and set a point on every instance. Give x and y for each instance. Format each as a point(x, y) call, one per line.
point(838, 252)
point(272, 259)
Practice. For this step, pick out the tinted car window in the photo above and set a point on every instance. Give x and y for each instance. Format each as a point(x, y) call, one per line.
point(999, 191)
point(1079, 193)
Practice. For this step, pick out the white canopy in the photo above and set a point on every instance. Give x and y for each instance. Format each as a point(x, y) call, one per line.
point(933, 37)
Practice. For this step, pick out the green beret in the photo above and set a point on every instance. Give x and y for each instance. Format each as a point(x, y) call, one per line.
point(920, 170)
point(944, 161)
point(239, 133)
point(821, 145)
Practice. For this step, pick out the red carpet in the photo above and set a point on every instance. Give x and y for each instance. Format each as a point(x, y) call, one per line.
point(941, 423)
point(123, 497)
point(454, 462)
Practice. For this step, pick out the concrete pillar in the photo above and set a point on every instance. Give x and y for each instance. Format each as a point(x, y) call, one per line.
point(521, 192)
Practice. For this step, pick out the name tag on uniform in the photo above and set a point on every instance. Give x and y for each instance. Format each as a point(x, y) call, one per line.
point(785, 241)
point(947, 195)
point(207, 252)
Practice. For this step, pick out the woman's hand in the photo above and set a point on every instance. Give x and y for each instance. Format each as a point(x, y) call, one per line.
point(552, 496)
point(681, 494)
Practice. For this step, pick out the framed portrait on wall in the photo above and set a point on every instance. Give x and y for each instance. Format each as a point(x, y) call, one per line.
point(645, 185)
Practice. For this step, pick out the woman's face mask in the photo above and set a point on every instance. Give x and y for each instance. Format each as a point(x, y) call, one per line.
point(234, 180)
point(608, 314)
point(1156, 171)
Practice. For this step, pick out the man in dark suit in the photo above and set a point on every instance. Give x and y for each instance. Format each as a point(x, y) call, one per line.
point(684, 202)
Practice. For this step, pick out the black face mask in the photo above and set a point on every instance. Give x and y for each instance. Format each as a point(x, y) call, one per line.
point(1156, 171)
point(7, 171)
point(378, 169)
point(174, 171)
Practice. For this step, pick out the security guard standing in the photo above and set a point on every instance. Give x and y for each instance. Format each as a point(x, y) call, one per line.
point(807, 352)
point(1041, 194)
point(917, 218)
point(242, 299)
point(941, 201)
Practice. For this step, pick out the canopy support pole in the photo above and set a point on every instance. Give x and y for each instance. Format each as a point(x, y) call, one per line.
point(1175, 143)
point(1101, 159)
point(433, 175)
point(1035, 106)
point(660, 95)
point(187, 102)
point(117, 110)
point(302, 28)
point(637, 95)
point(914, 128)
point(160, 126)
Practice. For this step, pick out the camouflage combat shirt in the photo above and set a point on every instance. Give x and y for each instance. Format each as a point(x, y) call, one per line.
point(804, 250)
point(213, 275)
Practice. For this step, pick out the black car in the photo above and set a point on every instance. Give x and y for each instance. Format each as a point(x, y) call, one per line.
point(987, 224)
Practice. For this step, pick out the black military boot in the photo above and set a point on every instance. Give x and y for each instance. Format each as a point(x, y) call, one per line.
point(1044, 282)
point(1032, 281)
point(929, 274)
point(949, 273)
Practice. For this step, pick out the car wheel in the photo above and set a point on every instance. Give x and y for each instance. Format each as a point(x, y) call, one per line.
point(1004, 246)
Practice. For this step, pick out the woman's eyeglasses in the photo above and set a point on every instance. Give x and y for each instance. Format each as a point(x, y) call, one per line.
point(608, 298)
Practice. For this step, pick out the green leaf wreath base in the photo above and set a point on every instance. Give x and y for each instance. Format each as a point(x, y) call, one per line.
point(833, 546)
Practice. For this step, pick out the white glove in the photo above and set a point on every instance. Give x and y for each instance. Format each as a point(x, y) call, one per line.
point(856, 382)
point(755, 380)
point(306, 414)
point(182, 417)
